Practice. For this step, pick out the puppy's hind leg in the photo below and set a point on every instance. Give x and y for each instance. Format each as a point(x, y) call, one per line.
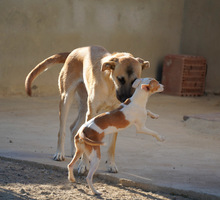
point(76, 157)
point(95, 159)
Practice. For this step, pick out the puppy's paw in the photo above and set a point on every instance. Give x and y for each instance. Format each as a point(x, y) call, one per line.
point(71, 179)
point(59, 156)
point(96, 192)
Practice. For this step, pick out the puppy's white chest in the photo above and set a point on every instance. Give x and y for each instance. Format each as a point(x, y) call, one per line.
point(135, 113)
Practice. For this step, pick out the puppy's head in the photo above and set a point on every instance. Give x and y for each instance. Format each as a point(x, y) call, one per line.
point(124, 70)
point(149, 85)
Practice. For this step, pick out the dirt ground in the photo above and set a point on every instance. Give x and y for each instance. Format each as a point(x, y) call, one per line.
point(25, 181)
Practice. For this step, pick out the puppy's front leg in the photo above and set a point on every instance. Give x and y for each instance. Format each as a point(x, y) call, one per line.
point(152, 115)
point(147, 131)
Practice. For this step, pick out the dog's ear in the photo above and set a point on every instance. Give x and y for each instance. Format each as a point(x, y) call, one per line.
point(145, 87)
point(136, 83)
point(109, 65)
point(145, 64)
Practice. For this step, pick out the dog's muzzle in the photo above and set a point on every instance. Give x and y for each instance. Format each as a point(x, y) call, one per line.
point(122, 95)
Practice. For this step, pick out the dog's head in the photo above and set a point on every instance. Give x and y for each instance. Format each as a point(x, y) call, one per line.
point(149, 85)
point(124, 69)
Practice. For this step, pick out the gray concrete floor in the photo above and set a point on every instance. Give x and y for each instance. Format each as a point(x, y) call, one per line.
point(189, 159)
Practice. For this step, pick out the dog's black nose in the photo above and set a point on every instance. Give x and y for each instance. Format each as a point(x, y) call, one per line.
point(122, 98)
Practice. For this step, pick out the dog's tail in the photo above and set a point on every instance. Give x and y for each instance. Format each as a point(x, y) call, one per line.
point(43, 66)
point(90, 142)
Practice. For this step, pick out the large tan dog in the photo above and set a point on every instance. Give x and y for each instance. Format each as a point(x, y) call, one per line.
point(100, 79)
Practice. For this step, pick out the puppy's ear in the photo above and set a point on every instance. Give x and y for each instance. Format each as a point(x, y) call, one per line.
point(109, 65)
point(154, 83)
point(145, 64)
point(136, 83)
point(145, 87)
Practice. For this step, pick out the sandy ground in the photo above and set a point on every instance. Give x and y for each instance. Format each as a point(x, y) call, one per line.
point(187, 163)
point(25, 181)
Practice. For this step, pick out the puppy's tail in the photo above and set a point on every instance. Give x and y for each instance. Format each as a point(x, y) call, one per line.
point(43, 66)
point(90, 142)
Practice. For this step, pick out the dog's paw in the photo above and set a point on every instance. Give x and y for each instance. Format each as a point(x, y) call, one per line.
point(112, 168)
point(156, 116)
point(161, 138)
point(59, 156)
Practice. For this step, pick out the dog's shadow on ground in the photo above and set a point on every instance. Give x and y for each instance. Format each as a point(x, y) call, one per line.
point(8, 194)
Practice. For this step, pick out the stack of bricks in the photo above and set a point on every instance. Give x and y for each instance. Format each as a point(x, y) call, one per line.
point(184, 75)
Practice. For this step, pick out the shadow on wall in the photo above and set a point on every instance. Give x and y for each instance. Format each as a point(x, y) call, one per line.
point(159, 71)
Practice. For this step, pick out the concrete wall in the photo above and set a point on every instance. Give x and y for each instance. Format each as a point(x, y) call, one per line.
point(201, 36)
point(33, 30)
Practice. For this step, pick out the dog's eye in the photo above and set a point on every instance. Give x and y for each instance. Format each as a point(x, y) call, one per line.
point(121, 80)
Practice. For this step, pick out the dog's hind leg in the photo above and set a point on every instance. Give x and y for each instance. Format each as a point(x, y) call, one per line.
point(82, 106)
point(65, 103)
point(95, 159)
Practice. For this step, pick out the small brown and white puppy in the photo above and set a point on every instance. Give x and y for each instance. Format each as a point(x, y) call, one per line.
point(100, 79)
point(131, 112)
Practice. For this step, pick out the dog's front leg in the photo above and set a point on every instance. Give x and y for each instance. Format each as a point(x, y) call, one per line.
point(152, 115)
point(111, 154)
point(147, 131)
point(84, 163)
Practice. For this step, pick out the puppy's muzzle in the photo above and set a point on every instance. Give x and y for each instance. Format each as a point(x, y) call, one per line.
point(161, 89)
